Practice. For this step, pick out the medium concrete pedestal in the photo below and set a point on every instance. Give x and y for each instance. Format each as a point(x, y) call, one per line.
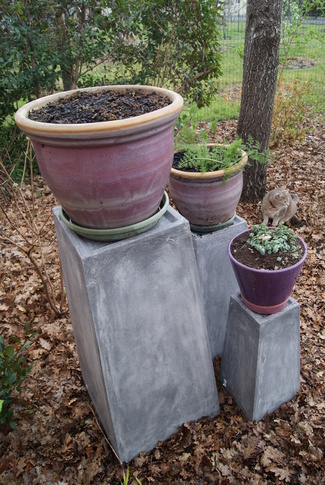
point(260, 365)
point(217, 279)
point(139, 326)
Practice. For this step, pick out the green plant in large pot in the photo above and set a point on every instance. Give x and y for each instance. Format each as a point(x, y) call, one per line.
point(105, 153)
point(206, 183)
point(267, 262)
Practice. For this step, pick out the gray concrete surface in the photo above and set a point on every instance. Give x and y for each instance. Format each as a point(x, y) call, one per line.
point(260, 365)
point(138, 320)
point(217, 279)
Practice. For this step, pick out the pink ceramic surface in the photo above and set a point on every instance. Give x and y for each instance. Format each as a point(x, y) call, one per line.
point(264, 291)
point(109, 174)
point(204, 199)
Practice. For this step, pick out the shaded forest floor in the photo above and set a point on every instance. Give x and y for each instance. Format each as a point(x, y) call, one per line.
point(58, 439)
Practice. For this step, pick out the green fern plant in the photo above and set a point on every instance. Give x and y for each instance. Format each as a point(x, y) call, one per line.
point(205, 158)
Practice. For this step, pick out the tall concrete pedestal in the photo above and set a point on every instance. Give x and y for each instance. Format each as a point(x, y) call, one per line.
point(140, 331)
point(260, 365)
point(217, 279)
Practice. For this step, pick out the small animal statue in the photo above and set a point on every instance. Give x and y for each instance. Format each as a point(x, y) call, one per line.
point(279, 205)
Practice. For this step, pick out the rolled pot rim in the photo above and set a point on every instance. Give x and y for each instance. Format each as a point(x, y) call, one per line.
point(210, 175)
point(270, 271)
point(53, 129)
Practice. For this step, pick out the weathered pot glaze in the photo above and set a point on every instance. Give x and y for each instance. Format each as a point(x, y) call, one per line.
point(108, 174)
point(264, 291)
point(205, 199)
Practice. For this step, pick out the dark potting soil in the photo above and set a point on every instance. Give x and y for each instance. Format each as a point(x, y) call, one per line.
point(252, 258)
point(89, 107)
point(176, 161)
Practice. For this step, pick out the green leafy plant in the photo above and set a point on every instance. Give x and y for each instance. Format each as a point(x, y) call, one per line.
point(186, 132)
point(126, 477)
point(205, 158)
point(268, 240)
point(13, 370)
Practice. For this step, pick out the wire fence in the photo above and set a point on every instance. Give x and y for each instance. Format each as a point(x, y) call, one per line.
point(302, 58)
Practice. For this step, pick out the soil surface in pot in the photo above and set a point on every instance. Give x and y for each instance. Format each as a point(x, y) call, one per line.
point(90, 107)
point(252, 258)
point(178, 156)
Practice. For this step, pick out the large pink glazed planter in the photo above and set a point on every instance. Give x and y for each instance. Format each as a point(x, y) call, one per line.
point(108, 174)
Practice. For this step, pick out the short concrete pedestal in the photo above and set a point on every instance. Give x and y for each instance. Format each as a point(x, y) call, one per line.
point(260, 365)
point(217, 279)
point(138, 321)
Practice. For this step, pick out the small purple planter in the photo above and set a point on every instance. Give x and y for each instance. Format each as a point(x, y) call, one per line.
point(265, 291)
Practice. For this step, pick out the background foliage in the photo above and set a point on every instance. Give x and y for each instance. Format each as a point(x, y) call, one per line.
point(50, 45)
point(54, 45)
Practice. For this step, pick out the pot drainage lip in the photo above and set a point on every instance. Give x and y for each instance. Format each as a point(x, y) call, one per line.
point(216, 227)
point(119, 233)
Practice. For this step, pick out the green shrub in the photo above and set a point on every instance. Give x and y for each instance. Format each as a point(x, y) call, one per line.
point(13, 370)
point(289, 112)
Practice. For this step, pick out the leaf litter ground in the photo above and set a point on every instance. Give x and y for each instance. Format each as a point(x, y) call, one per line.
point(59, 440)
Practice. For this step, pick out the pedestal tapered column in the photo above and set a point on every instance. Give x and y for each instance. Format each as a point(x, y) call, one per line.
point(141, 336)
point(217, 279)
point(260, 365)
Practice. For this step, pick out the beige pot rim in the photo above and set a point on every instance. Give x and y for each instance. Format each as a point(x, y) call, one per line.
point(145, 121)
point(211, 175)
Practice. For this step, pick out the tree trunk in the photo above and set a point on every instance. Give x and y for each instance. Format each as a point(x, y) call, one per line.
point(261, 59)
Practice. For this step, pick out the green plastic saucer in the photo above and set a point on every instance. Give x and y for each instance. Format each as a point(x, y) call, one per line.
point(119, 233)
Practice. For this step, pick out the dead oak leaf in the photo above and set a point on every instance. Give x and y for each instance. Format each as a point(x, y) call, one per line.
point(45, 344)
point(316, 454)
point(224, 469)
point(184, 457)
point(21, 308)
point(36, 353)
point(139, 462)
point(283, 474)
point(271, 455)
point(248, 447)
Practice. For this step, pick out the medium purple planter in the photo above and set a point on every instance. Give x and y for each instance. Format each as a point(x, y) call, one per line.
point(109, 174)
point(264, 291)
point(205, 199)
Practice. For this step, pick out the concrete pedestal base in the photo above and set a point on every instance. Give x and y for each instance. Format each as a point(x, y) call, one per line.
point(217, 279)
point(140, 331)
point(260, 365)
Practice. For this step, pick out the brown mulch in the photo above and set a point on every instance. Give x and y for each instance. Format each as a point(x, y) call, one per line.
point(58, 439)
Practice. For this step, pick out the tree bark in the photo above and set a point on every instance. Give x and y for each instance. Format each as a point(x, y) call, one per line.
point(261, 60)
